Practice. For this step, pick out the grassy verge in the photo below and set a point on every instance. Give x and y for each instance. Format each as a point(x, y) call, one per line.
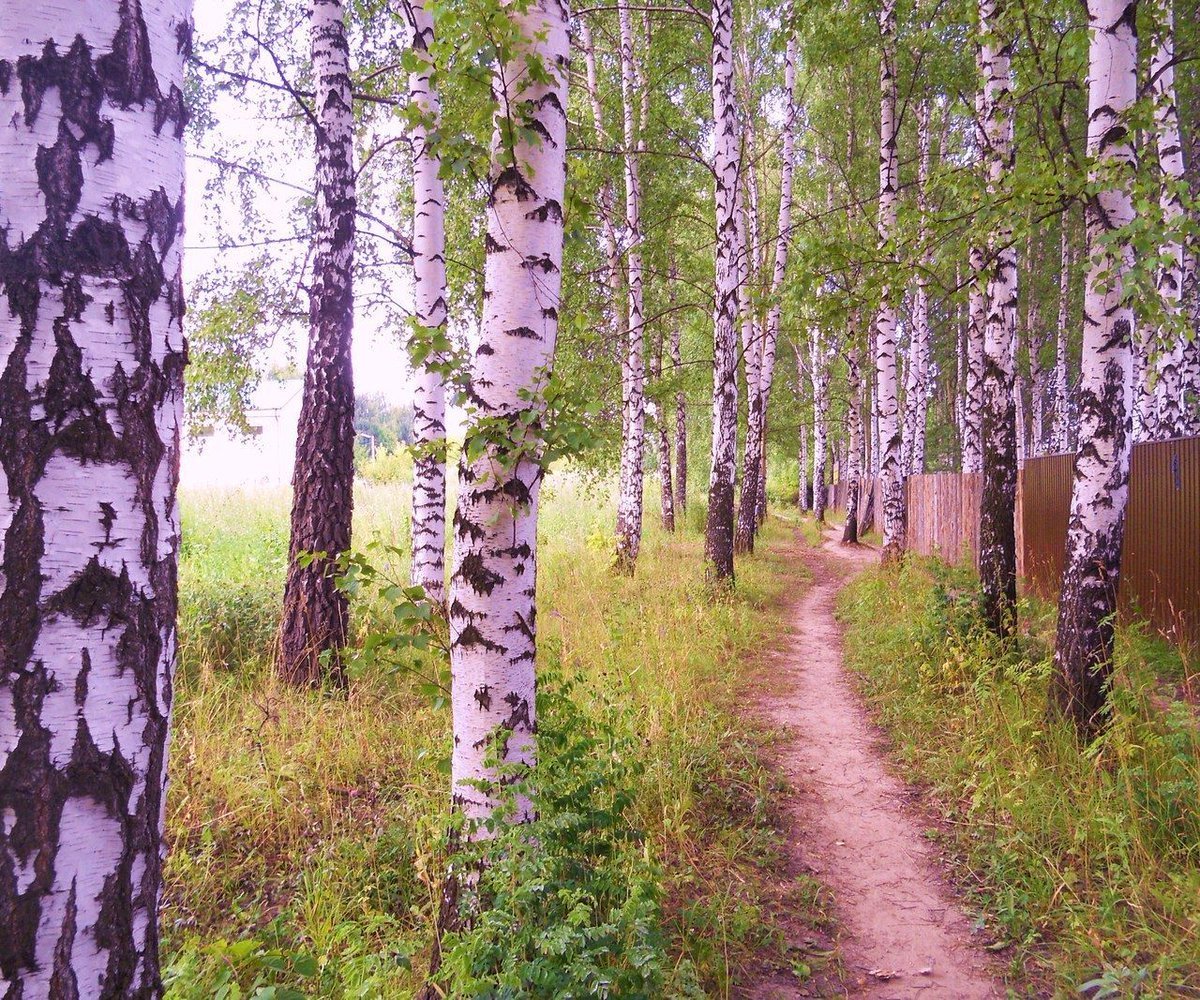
point(1086, 862)
point(307, 832)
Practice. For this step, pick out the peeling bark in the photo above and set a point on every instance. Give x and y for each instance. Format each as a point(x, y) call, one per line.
point(493, 586)
point(315, 613)
point(1096, 530)
point(854, 423)
point(91, 389)
point(917, 386)
point(681, 456)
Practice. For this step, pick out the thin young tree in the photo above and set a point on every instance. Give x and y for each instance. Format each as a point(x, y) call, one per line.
point(633, 366)
point(429, 300)
point(749, 518)
point(854, 424)
point(1061, 438)
point(891, 476)
point(917, 383)
point(1100, 489)
point(997, 538)
point(662, 438)
point(312, 630)
point(719, 527)
point(493, 584)
point(681, 435)
point(91, 403)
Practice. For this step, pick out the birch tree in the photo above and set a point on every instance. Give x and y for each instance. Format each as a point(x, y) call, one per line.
point(820, 356)
point(891, 477)
point(633, 371)
point(997, 539)
point(1062, 393)
point(854, 424)
point(1100, 487)
point(315, 612)
point(1164, 413)
point(681, 435)
point(916, 393)
point(91, 402)
point(753, 507)
point(663, 440)
point(429, 300)
point(493, 584)
point(719, 528)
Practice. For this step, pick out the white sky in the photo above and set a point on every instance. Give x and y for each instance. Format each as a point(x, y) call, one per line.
point(380, 363)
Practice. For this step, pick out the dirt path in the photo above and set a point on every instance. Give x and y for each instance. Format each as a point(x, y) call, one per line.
point(901, 932)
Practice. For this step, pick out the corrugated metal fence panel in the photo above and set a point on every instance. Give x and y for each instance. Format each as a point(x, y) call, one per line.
point(1045, 506)
point(1160, 571)
point(1160, 567)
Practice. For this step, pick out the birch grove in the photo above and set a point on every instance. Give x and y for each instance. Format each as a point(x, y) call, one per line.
point(92, 355)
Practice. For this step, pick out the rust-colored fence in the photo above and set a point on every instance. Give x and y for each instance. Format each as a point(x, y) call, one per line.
point(1160, 569)
point(1160, 566)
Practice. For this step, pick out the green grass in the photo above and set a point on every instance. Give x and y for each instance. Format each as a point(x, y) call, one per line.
point(307, 831)
point(1086, 863)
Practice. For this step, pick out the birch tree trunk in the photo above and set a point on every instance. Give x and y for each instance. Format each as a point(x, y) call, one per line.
point(493, 618)
point(753, 507)
point(891, 475)
point(91, 402)
point(633, 373)
point(681, 456)
point(997, 538)
point(820, 357)
point(1179, 271)
point(663, 438)
point(315, 612)
point(429, 275)
point(743, 539)
point(718, 536)
point(916, 395)
point(1088, 601)
point(854, 424)
point(1062, 392)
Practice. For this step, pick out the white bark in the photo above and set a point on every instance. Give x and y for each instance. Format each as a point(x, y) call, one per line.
point(891, 475)
point(429, 274)
point(493, 586)
point(91, 388)
point(1179, 273)
point(720, 526)
point(1062, 392)
point(681, 462)
point(820, 356)
point(633, 370)
point(917, 384)
point(997, 543)
point(1100, 493)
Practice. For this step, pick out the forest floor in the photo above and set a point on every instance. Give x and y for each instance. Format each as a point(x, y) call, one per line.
point(900, 929)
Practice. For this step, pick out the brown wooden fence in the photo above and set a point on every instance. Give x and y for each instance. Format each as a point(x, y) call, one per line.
point(1160, 572)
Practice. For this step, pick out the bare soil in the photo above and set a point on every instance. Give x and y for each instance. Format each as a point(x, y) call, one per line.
point(900, 930)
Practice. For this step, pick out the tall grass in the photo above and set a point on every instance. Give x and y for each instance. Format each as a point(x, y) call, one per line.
point(1086, 861)
point(307, 831)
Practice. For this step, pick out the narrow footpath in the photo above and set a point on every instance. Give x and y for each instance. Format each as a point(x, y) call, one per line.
point(901, 932)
